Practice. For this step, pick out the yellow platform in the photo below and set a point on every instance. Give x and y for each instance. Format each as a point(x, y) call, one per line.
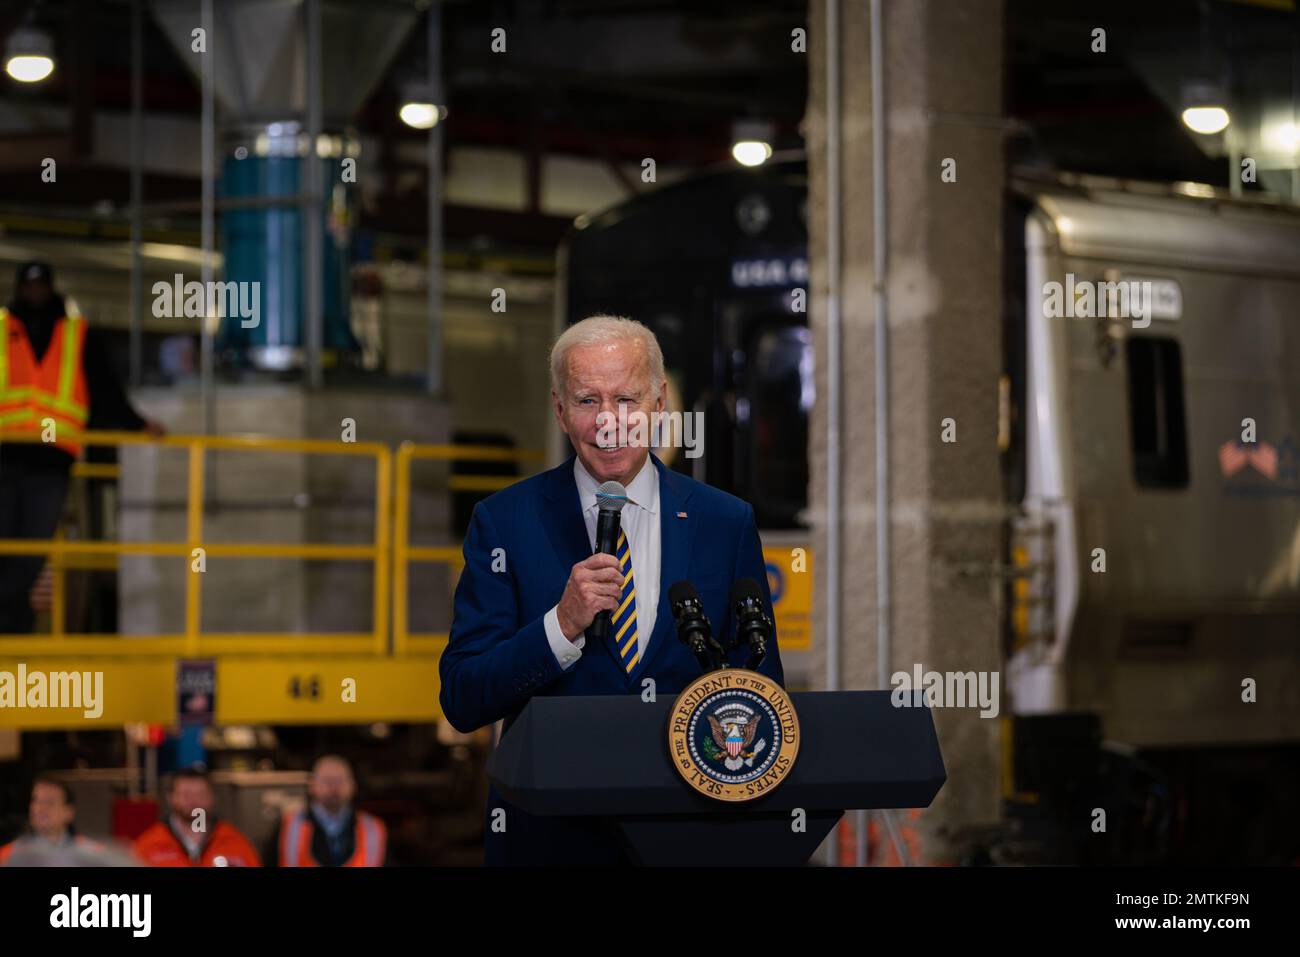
point(108, 692)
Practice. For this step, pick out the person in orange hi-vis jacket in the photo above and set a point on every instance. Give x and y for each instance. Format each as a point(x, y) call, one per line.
point(191, 835)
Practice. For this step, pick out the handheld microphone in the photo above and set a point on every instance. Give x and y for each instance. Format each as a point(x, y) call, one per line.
point(610, 499)
point(693, 628)
point(753, 626)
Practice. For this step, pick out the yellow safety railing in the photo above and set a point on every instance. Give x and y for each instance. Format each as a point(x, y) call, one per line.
point(192, 641)
point(404, 642)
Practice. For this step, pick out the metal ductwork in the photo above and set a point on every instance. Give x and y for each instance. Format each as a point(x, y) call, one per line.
point(259, 53)
point(270, 196)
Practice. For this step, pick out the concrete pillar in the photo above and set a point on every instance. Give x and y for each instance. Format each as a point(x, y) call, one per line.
point(943, 99)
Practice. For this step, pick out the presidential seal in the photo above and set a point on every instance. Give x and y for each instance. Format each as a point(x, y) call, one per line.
point(733, 735)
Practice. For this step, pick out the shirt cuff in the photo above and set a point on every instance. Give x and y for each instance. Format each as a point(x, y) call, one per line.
point(566, 652)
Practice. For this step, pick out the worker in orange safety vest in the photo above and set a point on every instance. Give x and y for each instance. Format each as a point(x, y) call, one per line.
point(330, 832)
point(56, 381)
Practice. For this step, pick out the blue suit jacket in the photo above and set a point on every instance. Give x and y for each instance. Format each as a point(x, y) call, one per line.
point(498, 655)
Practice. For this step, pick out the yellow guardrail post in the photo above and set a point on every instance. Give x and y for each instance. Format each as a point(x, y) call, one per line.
point(401, 533)
point(450, 555)
point(382, 544)
point(58, 589)
point(194, 538)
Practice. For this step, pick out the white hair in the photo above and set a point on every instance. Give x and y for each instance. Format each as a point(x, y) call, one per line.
point(595, 330)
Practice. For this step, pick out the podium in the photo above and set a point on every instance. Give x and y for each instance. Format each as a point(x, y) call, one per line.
point(607, 756)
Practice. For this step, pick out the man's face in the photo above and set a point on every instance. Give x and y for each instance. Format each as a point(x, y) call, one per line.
point(188, 795)
point(35, 291)
point(332, 786)
point(605, 378)
point(49, 814)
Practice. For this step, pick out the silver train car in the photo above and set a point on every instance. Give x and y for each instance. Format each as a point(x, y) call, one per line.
point(1156, 466)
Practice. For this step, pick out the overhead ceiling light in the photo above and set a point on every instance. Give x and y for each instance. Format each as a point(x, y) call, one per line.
point(751, 152)
point(1203, 108)
point(1206, 119)
point(418, 109)
point(751, 142)
point(420, 116)
point(29, 55)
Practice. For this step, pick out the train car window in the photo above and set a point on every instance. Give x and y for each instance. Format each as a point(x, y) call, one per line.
point(1156, 415)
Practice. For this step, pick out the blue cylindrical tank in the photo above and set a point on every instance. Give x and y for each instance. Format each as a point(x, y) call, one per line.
point(265, 244)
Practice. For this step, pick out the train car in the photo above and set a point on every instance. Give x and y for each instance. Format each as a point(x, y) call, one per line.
point(715, 265)
point(1158, 468)
point(1151, 466)
point(711, 264)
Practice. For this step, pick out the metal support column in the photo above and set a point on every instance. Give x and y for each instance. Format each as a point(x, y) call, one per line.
point(833, 380)
point(313, 232)
point(207, 358)
point(433, 376)
point(136, 317)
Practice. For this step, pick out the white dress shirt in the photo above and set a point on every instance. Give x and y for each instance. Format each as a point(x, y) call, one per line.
point(639, 520)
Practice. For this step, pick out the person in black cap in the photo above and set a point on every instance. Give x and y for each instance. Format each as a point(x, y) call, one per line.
point(56, 381)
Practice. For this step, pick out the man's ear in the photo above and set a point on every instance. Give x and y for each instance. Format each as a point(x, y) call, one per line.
point(558, 405)
point(662, 402)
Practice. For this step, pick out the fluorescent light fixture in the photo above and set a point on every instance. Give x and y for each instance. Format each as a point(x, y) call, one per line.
point(28, 55)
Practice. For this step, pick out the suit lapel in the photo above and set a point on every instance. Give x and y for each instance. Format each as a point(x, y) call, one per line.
point(567, 529)
point(563, 519)
point(676, 537)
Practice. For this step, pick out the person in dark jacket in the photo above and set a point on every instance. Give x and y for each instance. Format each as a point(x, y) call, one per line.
point(56, 381)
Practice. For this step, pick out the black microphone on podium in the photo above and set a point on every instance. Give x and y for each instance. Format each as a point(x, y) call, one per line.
point(693, 628)
point(610, 499)
point(753, 626)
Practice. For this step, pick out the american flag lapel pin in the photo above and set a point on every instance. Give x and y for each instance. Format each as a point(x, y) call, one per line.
point(681, 514)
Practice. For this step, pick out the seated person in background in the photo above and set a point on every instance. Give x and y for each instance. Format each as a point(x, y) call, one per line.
point(49, 819)
point(329, 832)
point(191, 835)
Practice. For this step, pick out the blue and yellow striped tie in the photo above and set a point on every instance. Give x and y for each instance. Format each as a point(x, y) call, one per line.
point(624, 619)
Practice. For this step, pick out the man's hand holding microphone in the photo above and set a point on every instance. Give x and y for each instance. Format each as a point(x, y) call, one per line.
point(595, 585)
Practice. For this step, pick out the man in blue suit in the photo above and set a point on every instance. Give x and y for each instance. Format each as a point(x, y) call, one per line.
point(531, 584)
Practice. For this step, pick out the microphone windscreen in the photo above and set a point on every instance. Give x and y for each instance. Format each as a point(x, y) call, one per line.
point(682, 591)
point(611, 497)
point(745, 588)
